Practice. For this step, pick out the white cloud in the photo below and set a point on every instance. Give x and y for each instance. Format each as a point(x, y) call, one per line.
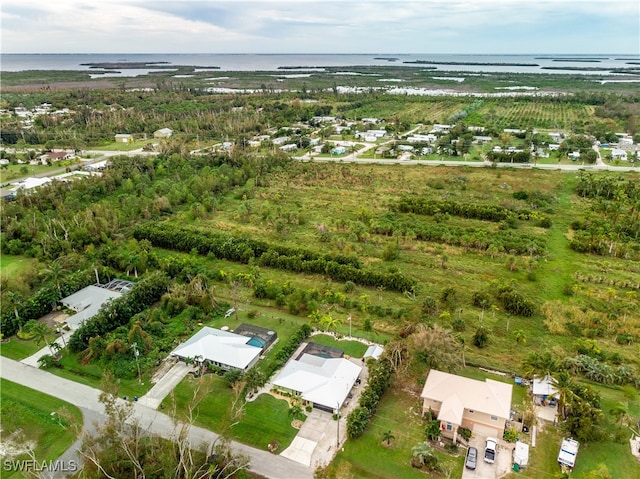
point(272, 26)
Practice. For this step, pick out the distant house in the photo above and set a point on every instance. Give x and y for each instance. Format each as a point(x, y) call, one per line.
point(618, 154)
point(280, 140)
point(163, 133)
point(440, 128)
point(124, 138)
point(481, 406)
point(430, 138)
point(373, 121)
point(574, 155)
point(324, 383)
point(405, 148)
point(480, 139)
point(54, 156)
point(228, 351)
point(514, 131)
point(289, 147)
point(554, 146)
point(338, 150)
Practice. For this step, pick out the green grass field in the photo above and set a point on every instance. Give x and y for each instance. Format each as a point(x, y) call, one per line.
point(45, 422)
point(11, 265)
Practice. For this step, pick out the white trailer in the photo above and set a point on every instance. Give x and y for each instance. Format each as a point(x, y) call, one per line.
point(568, 453)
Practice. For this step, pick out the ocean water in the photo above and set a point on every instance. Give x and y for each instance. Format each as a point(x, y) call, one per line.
point(275, 62)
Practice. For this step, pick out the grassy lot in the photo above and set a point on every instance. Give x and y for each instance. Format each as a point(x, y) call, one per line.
point(23, 409)
point(18, 349)
point(92, 375)
point(119, 146)
point(15, 172)
point(368, 458)
point(12, 265)
point(262, 420)
point(354, 349)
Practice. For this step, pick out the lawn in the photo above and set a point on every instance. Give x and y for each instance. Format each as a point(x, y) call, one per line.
point(18, 349)
point(13, 265)
point(119, 146)
point(355, 349)
point(14, 172)
point(47, 422)
point(261, 421)
point(368, 458)
point(92, 375)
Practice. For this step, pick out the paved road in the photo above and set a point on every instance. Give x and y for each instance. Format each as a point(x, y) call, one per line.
point(85, 397)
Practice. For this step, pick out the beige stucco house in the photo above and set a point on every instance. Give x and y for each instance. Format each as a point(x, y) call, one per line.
point(483, 407)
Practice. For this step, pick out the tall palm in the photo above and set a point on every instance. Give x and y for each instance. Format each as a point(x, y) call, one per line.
point(41, 332)
point(620, 410)
point(564, 385)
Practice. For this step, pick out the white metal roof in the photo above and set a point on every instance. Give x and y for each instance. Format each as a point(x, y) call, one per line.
point(219, 346)
point(373, 351)
point(544, 387)
point(324, 381)
point(87, 303)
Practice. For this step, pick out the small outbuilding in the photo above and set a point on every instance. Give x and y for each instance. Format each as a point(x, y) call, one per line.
point(124, 138)
point(163, 133)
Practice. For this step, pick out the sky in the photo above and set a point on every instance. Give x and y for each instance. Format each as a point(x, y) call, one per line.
point(320, 26)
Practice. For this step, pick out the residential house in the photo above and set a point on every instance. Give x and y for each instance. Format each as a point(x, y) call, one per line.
point(124, 138)
point(574, 155)
point(54, 156)
point(439, 128)
point(422, 138)
point(481, 406)
point(289, 147)
point(223, 349)
point(163, 133)
point(618, 154)
point(325, 383)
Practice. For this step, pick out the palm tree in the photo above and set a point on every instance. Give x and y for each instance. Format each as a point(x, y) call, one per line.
point(563, 384)
point(40, 332)
point(620, 410)
point(330, 323)
point(424, 456)
point(387, 437)
point(521, 338)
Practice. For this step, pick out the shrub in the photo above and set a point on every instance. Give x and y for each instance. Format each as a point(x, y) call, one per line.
point(481, 337)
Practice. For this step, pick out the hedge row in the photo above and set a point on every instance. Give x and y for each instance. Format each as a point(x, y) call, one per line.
point(379, 380)
point(227, 246)
point(338, 268)
point(285, 353)
point(506, 241)
point(478, 211)
point(119, 311)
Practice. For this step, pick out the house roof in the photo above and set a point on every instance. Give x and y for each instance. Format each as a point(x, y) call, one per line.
point(543, 387)
point(164, 131)
point(373, 351)
point(457, 393)
point(87, 303)
point(324, 381)
point(219, 346)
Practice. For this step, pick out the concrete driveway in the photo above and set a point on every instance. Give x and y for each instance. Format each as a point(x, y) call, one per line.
point(501, 467)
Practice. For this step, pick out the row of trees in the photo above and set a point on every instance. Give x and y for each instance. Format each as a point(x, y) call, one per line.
point(380, 373)
point(338, 268)
point(119, 311)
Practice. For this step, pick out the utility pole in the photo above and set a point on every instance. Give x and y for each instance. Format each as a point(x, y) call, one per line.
point(136, 353)
point(349, 318)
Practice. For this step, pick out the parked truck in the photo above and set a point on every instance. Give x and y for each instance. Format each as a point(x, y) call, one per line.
point(568, 453)
point(490, 450)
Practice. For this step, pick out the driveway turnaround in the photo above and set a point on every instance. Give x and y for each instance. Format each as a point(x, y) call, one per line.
point(262, 462)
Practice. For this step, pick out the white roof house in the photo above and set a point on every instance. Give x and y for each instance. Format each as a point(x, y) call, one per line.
point(618, 153)
point(544, 387)
point(325, 382)
point(87, 303)
point(220, 348)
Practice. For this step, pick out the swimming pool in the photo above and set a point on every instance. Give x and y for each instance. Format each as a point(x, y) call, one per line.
point(257, 342)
